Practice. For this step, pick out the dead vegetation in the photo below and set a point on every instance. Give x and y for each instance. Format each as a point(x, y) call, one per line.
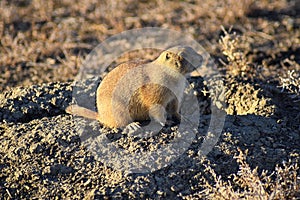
point(248, 183)
point(46, 41)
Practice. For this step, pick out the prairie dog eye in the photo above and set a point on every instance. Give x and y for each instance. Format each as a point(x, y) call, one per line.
point(168, 56)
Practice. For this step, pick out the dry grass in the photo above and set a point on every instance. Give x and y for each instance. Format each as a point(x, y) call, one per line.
point(283, 183)
point(291, 80)
point(52, 37)
point(46, 41)
point(247, 183)
point(234, 47)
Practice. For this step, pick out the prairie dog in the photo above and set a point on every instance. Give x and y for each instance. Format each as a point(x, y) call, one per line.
point(139, 91)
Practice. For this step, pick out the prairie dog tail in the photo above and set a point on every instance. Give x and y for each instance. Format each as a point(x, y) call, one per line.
point(81, 111)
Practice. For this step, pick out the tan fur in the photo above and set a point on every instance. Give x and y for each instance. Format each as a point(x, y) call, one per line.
point(74, 109)
point(138, 91)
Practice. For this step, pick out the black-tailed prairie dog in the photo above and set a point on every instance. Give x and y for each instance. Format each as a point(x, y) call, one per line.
point(139, 91)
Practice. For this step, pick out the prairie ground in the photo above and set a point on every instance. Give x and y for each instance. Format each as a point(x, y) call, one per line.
point(256, 47)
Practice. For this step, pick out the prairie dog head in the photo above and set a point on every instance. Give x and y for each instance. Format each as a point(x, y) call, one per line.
point(183, 59)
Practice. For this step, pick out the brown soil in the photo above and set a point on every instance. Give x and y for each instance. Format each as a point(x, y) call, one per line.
point(42, 46)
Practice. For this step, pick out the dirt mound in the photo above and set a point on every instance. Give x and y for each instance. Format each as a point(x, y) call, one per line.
point(44, 152)
point(48, 158)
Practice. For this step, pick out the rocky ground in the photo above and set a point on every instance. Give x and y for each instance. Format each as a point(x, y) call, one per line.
point(44, 152)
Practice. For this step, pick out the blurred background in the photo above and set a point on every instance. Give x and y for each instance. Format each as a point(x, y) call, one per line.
point(46, 41)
